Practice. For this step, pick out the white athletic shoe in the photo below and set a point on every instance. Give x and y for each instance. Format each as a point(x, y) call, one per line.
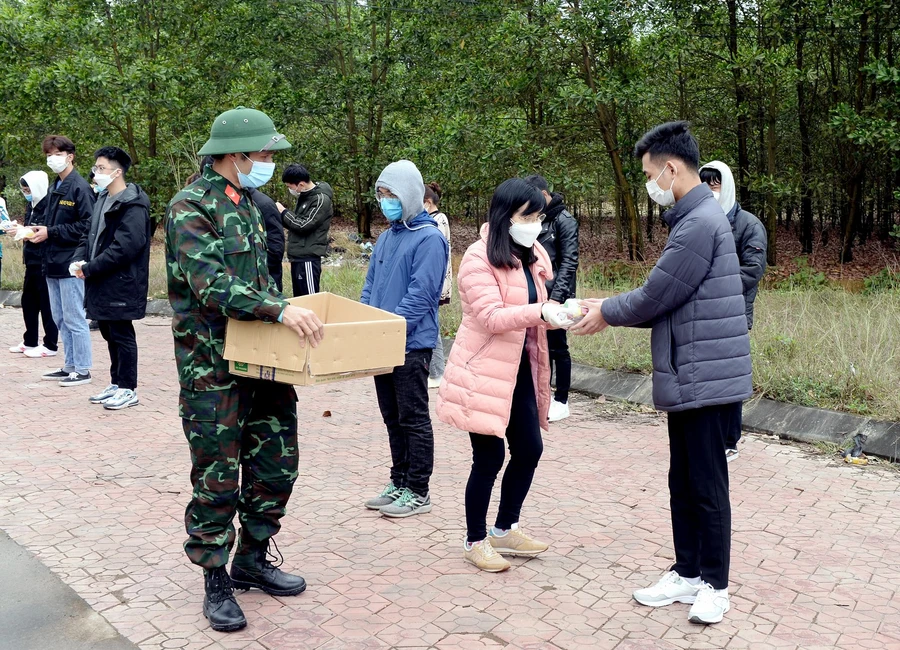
point(730, 454)
point(671, 588)
point(19, 349)
point(558, 411)
point(710, 606)
point(39, 352)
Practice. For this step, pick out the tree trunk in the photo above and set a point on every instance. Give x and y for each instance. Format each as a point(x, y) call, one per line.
point(740, 99)
point(806, 212)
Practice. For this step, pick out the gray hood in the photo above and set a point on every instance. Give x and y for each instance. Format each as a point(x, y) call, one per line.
point(403, 180)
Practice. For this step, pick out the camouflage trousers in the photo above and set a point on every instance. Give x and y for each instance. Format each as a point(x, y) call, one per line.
point(244, 459)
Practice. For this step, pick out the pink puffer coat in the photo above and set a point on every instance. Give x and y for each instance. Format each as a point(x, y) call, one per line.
point(476, 393)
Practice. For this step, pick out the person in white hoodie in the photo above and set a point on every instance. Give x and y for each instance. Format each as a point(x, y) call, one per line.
point(35, 296)
point(751, 244)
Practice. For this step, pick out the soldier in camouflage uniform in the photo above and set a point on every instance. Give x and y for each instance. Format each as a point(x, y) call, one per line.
point(216, 268)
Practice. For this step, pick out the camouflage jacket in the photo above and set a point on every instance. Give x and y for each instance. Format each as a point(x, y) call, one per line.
point(216, 269)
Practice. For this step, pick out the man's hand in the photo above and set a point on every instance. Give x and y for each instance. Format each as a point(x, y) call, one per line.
point(280, 207)
point(40, 234)
point(305, 323)
point(79, 274)
point(593, 321)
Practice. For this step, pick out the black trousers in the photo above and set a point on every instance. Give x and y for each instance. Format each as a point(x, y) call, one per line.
point(561, 360)
point(305, 275)
point(123, 352)
point(698, 489)
point(276, 271)
point(525, 448)
point(36, 307)
point(403, 399)
point(733, 436)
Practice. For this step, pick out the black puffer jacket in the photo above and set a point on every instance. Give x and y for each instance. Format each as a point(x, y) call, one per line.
point(68, 218)
point(117, 252)
point(274, 228)
point(559, 237)
point(751, 242)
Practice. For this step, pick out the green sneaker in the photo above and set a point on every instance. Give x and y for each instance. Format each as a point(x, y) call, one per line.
point(388, 495)
point(407, 504)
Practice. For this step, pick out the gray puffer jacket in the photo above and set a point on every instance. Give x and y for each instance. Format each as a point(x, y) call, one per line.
point(693, 300)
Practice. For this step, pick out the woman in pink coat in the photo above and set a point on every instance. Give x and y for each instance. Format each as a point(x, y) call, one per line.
point(497, 381)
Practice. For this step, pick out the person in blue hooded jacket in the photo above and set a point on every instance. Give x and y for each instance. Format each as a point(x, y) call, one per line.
point(405, 277)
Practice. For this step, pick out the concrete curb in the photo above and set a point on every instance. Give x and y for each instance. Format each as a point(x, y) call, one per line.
point(155, 307)
point(790, 421)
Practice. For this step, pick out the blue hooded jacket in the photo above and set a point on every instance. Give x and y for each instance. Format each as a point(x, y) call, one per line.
point(406, 275)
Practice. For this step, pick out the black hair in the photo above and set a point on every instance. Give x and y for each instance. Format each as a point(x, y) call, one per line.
point(116, 155)
point(710, 175)
point(509, 196)
point(91, 178)
point(670, 140)
point(433, 193)
point(295, 174)
point(206, 161)
point(539, 182)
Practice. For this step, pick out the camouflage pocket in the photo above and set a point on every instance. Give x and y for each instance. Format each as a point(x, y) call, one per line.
point(198, 407)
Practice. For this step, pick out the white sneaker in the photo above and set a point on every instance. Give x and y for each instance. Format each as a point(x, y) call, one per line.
point(710, 606)
point(730, 454)
point(671, 588)
point(558, 411)
point(39, 352)
point(103, 395)
point(434, 383)
point(123, 398)
point(19, 349)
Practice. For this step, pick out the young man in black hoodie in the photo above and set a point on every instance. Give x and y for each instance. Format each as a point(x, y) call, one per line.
point(113, 260)
point(67, 219)
point(307, 228)
point(559, 237)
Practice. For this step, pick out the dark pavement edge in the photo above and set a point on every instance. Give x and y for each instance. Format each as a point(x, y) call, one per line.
point(38, 611)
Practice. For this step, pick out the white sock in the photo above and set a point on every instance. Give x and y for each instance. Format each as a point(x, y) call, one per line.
point(469, 545)
point(694, 582)
point(498, 532)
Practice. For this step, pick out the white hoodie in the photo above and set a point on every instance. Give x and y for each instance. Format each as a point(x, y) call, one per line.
point(38, 183)
point(727, 195)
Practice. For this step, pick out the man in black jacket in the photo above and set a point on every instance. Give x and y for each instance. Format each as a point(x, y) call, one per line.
point(67, 219)
point(274, 234)
point(307, 228)
point(113, 259)
point(559, 237)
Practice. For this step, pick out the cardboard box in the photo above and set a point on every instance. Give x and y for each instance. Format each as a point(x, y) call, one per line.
point(360, 341)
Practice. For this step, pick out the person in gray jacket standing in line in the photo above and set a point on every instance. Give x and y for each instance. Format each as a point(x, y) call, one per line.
point(751, 242)
point(694, 302)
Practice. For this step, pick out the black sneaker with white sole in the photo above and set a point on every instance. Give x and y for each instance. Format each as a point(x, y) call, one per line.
point(76, 379)
point(55, 375)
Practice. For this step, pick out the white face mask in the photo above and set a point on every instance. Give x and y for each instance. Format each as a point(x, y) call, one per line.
point(57, 163)
point(103, 180)
point(525, 234)
point(664, 197)
point(716, 195)
point(294, 192)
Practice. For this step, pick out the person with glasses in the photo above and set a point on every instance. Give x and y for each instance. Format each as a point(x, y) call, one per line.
point(405, 276)
point(242, 432)
point(497, 380)
point(114, 262)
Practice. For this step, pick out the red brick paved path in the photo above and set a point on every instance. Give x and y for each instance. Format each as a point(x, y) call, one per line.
point(99, 497)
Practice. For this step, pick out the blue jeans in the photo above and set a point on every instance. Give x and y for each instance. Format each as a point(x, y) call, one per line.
point(67, 305)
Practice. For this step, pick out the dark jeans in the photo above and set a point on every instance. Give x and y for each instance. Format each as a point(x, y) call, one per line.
point(305, 275)
point(733, 436)
point(123, 352)
point(525, 448)
point(562, 361)
point(35, 307)
point(403, 399)
point(698, 490)
point(276, 271)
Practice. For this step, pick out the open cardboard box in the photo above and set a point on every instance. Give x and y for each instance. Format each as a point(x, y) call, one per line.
point(360, 341)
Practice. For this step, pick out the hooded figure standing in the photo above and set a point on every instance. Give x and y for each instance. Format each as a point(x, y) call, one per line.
point(405, 277)
point(751, 243)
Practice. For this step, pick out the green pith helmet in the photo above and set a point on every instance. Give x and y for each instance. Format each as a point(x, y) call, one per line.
point(243, 130)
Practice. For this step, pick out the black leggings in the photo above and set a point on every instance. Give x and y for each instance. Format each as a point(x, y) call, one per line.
point(488, 453)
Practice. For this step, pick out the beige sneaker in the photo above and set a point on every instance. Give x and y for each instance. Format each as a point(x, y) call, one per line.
point(485, 557)
point(515, 542)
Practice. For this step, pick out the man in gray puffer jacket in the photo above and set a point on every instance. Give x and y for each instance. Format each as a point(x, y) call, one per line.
point(694, 302)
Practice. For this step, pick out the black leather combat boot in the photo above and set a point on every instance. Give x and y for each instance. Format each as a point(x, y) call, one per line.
point(220, 606)
point(254, 570)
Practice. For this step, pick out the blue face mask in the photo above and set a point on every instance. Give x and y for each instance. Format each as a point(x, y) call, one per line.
point(27, 197)
point(260, 174)
point(391, 208)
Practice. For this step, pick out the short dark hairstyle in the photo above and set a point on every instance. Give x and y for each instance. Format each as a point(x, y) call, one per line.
point(58, 142)
point(295, 174)
point(539, 182)
point(509, 196)
point(710, 175)
point(116, 155)
point(670, 140)
point(23, 182)
point(91, 178)
point(433, 192)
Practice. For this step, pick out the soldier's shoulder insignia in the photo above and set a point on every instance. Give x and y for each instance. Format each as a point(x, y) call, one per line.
point(232, 194)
